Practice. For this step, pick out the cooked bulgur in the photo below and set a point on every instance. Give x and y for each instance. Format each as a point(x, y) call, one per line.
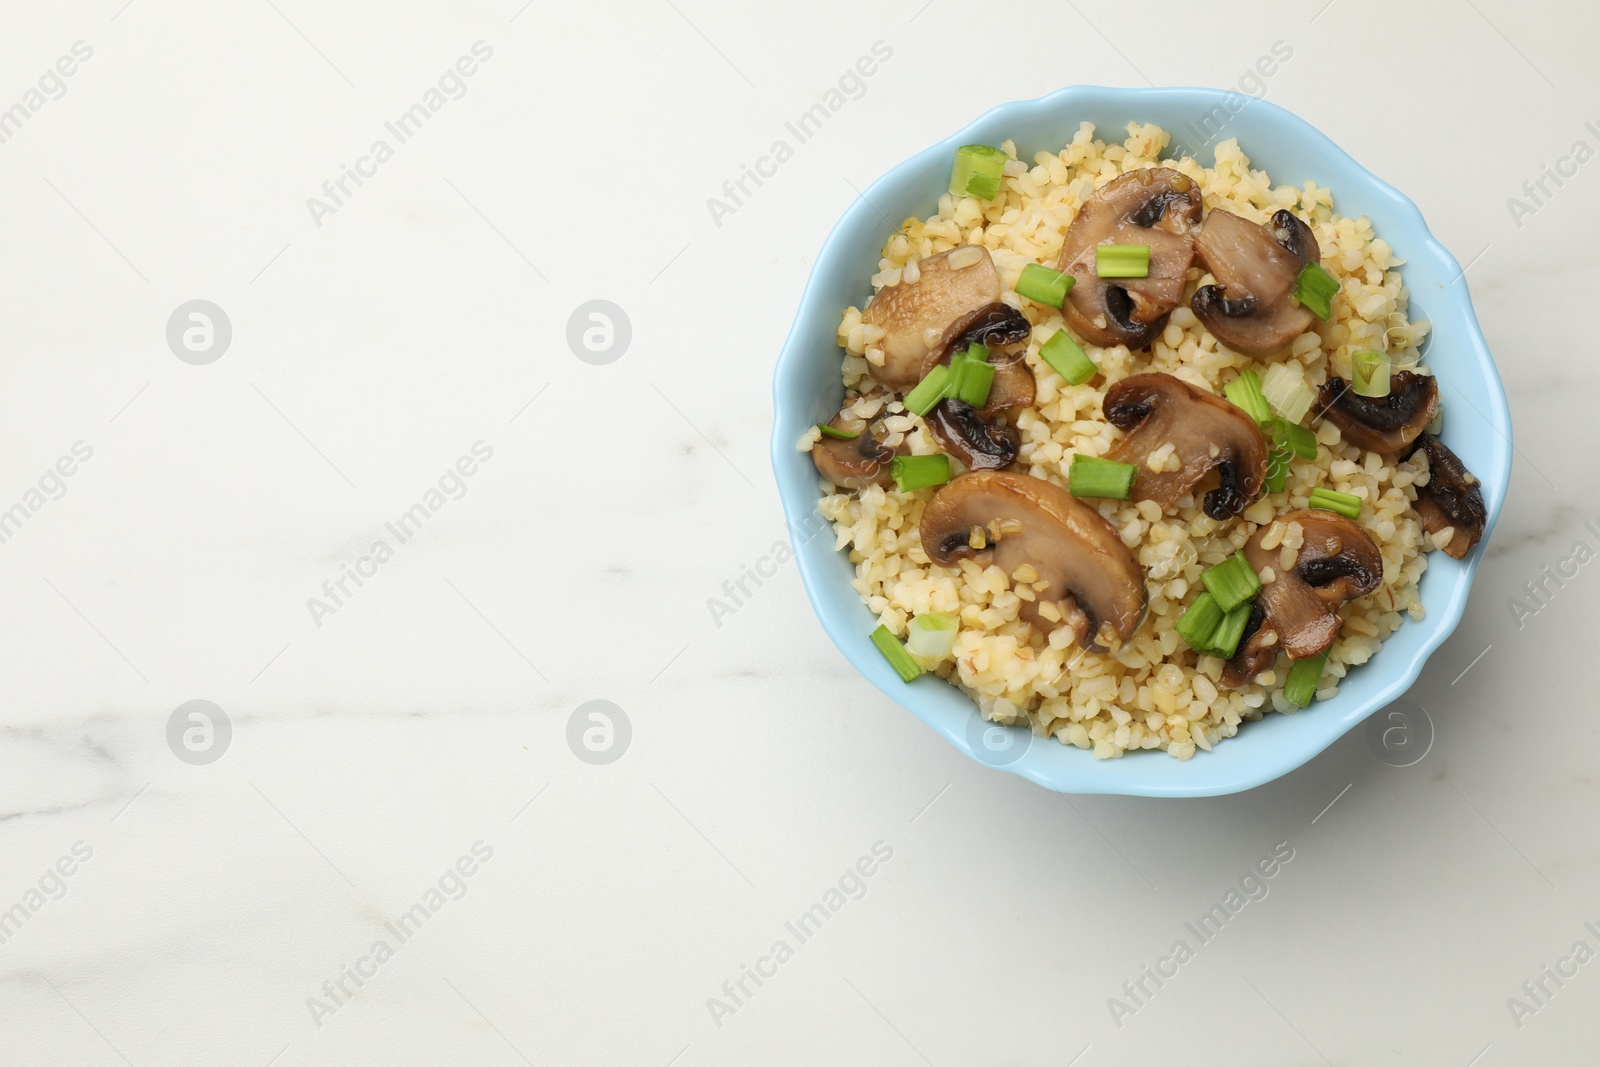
point(1155, 691)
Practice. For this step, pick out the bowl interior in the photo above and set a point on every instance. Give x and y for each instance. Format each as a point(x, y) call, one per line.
point(1477, 426)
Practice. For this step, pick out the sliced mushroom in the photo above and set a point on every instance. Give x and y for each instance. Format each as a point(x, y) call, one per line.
point(1381, 423)
point(1156, 206)
point(1298, 611)
point(854, 463)
point(1251, 308)
point(980, 444)
point(947, 286)
point(1008, 519)
point(1206, 433)
point(1451, 500)
point(981, 438)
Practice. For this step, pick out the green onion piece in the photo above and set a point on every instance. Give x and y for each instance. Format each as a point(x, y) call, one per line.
point(929, 391)
point(1437, 422)
point(843, 435)
point(958, 371)
point(983, 186)
point(1301, 684)
point(977, 353)
point(1286, 392)
point(1062, 355)
point(975, 380)
point(1329, 500)
point(1122, 261)
point(1225, 638)
point(1315, 290)
point(919, 472)
point(1369, 373)
point(1278, 469)
point(931, 636)
point(1292, 438)
point(1245, 392)
point(1093, 476)
point(977, 171)
point(1044, 286)
point(895, 653)
point(1232, 582)
point(1200, 621)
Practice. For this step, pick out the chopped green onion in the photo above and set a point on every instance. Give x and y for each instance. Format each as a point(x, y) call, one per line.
point(1225, 638)
point(1286, 392)
point(1315, 290)
point(971, 382)
point(1062, 355)
point(895, 653)
point(1436, 423)
point(977, 171)
point(1301, 684)
point(1342, 503)
point(843, 435)
point(931, 636)
point(1200, 621)
point(1278, 469)
point(1232, 582)
point(1122, 261)
point(1369, 373)
point(977, 353)
point(1093, 476)
point(1044, 286)
point(919, 472)
point(929, 391)
point(1245, 392)
point(954, 366)
point(1292, 438)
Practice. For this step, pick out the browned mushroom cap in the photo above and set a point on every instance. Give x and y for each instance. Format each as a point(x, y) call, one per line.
point(981, 438)
point(948, 286)
point(855, 463)
point(1381, 423)
point(1251, 308)
point(1155, 207)
point(1205, 432)
point(1298, 611)
point(1091, 577)
point(1451, 499)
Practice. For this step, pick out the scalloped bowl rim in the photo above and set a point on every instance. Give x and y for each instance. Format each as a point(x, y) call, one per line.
point(1261, 750)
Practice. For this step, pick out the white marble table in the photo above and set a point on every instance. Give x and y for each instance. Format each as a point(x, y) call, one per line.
point(396, 766)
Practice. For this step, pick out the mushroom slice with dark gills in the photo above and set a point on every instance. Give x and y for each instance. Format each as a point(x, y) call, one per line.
point(1089, 578)
point(982, 438)
point(1206, 433)
point(1452, 499)
point(1381, 423)
point(1297, 611)
point(1250, 307)
point(1156, 206)
point(855, 462)
point(916, 312)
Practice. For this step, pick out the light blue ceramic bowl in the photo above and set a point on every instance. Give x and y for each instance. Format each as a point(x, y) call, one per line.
point(1477, 427)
